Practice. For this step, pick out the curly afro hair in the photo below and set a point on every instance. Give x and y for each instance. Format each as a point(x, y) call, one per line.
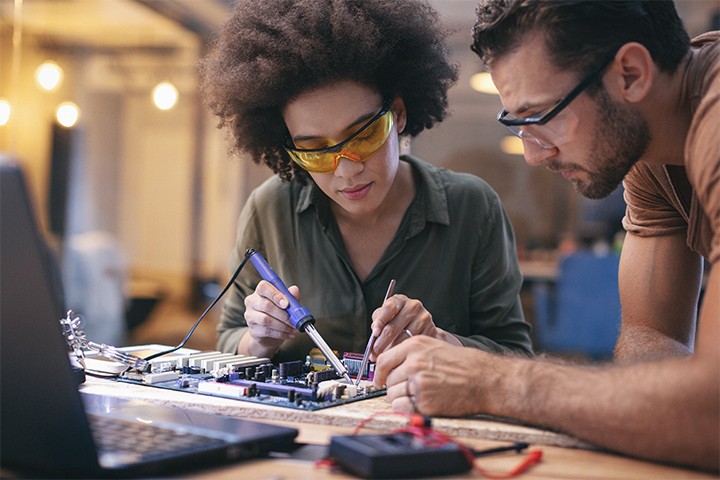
point(271, 51)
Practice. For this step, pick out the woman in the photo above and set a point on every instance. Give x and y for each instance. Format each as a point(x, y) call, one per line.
point(322, 93)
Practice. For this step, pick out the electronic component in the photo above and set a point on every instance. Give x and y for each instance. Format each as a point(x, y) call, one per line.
point(354, 362)
point(309, 385)
point(397, 455)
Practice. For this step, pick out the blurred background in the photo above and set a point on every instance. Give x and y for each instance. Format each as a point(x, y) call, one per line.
point(133, 184)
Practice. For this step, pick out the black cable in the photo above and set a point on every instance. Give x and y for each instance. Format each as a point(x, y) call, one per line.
point(96, 374)
point(517, 447)
point(187, 337)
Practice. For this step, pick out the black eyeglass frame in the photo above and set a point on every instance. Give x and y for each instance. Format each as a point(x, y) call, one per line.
point(551, 113)
point(290, 146)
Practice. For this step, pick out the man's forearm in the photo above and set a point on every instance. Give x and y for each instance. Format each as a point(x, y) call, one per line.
point(666, 410)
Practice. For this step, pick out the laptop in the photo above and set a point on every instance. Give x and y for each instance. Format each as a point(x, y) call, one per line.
point(46, 425)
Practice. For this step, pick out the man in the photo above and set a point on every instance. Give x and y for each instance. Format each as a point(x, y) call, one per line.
point(601, 92)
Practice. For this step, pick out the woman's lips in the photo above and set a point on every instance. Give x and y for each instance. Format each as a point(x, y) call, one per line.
point(357, 192)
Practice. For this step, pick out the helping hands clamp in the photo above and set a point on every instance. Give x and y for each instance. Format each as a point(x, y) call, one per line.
point(78, 343)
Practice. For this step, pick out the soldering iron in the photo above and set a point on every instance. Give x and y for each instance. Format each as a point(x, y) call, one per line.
point(300, 317)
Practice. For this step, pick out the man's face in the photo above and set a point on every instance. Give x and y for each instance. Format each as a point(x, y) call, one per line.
point(593, 142)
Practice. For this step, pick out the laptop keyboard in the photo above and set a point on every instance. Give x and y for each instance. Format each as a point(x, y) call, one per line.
point(144, 442)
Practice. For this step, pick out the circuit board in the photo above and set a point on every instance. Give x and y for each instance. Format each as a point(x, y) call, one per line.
point(302, 385)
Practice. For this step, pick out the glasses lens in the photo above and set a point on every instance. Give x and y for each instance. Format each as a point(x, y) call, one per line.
point(552, 134)
point(314, 162)
point(362, 144)
point(526, 136)
point(372, 138)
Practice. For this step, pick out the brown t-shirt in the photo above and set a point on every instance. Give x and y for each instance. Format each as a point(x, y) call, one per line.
point(667, 199)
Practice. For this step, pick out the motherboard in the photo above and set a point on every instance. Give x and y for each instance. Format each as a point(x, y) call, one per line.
point(309, 384)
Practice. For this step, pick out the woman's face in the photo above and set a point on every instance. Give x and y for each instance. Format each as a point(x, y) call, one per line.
point(330, 114)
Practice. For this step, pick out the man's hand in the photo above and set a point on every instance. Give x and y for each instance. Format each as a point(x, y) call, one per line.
point(432, 377)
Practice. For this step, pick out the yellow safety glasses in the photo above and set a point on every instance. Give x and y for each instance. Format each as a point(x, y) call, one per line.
point(358, 147)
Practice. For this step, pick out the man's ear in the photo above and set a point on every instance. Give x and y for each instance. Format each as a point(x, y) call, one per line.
point(398, 108)
point(632, 73)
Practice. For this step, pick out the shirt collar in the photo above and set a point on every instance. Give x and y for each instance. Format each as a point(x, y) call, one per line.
point(310, 194)
point(431, 198)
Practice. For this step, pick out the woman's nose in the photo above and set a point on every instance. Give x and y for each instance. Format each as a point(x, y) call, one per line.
point(347, 166)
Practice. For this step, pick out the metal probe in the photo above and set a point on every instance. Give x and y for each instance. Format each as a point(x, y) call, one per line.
point(366, 355)
point(300, 317)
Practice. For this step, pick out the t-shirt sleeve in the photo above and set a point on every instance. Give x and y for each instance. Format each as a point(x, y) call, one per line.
point(649, 211)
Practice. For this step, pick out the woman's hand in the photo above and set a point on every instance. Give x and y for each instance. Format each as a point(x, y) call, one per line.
point(268, 322)
point(400, 318)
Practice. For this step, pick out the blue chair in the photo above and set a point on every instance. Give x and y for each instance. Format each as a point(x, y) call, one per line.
point(580, 313)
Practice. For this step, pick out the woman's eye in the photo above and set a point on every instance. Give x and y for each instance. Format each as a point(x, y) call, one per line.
point(312, 144)
point(368, 132)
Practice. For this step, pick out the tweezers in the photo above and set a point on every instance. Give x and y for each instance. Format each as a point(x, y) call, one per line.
point(371, 340)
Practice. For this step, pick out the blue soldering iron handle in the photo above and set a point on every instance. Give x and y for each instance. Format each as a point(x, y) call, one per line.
point(300, 317)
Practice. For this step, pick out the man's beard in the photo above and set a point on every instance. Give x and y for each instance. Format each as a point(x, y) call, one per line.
point(622, 138)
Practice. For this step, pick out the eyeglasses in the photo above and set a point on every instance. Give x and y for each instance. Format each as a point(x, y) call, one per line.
point(358, 147)
point(535, 128)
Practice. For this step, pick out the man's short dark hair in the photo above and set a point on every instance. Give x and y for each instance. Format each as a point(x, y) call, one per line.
point(579, 34)
point(271, 51)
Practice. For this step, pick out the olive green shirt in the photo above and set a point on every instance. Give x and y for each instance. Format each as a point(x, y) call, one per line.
point(454, 251)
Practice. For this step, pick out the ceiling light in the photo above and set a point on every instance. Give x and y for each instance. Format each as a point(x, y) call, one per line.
point(482, 82)
point(67, 114)
point(4, 112)
point(512, 145)
point(165, 95)
point(48, 75)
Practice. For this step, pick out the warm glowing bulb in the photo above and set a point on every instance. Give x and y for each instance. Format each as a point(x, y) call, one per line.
point(512, 145)
point(165, 95)
point(67, 114)
point(4, 111)
point(48, 75)
point(482, 82)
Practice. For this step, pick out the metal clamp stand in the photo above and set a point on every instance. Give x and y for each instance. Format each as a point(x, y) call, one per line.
point(78, 343)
